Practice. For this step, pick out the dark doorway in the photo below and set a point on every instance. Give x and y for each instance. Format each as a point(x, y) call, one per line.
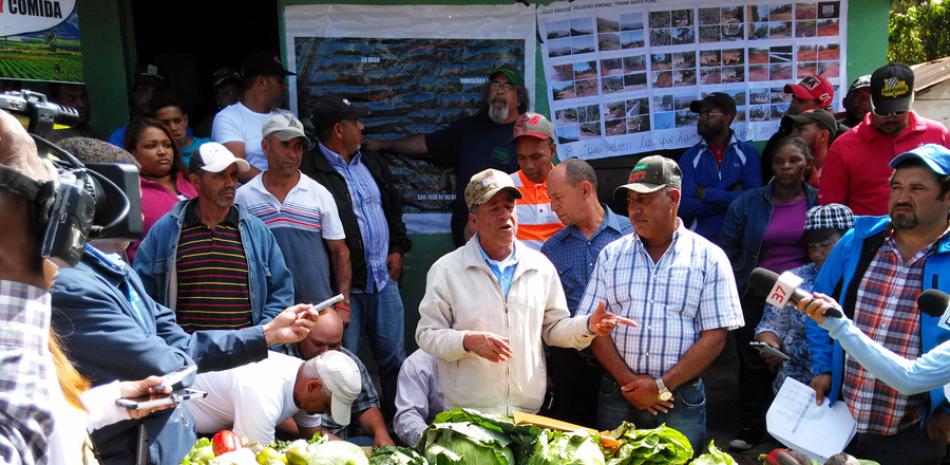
point(189, 40)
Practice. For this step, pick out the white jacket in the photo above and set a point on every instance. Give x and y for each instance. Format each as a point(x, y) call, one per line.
point(463, 295)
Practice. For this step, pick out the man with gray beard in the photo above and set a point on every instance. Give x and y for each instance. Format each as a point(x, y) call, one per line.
point(474, 143)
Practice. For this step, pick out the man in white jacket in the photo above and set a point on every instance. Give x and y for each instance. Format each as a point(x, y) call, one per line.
point(492, 304)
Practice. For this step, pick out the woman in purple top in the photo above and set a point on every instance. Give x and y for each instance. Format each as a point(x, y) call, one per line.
point(764, 227)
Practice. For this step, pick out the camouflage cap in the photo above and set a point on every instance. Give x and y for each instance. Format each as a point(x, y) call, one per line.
point(485, 184)
point(651, 174)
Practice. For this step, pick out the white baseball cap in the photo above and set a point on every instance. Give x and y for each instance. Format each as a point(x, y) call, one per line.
point(341, 376)
point(215, 158)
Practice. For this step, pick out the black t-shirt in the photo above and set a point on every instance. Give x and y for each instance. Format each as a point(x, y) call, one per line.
point(470, 145)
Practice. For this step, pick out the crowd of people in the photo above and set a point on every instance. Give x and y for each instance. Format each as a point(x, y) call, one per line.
point(551, 303)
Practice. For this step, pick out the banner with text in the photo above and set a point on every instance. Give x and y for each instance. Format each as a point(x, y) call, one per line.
point(621, 73)
point(39, 41)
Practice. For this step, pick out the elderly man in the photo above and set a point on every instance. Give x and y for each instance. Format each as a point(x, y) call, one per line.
point(535, 148)
point(473, 143)
point(680, 289)
point(327, 336)
point(301, 213)
point(490, 306)
point(818, 128)
point(718, 168)
point(589, 227)
point(250, 282)
point(255, 398)
point(856, 170)
point(877, 271)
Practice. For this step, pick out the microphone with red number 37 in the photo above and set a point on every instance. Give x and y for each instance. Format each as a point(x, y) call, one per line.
point(782, 289)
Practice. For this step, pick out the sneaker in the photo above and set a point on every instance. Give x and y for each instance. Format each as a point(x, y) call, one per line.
point(747, 439)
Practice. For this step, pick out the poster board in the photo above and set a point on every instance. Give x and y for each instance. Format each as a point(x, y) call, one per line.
point(39, 41)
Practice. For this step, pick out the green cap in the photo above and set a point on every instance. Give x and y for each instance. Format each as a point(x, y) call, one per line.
point(509, 72)
point(651, 174)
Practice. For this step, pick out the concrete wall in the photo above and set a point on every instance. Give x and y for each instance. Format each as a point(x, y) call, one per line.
point(934, 103)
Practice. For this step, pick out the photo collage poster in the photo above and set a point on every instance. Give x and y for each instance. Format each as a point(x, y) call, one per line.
point(621, 74)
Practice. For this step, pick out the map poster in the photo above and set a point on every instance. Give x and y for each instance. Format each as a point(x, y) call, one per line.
point(417, 68)
point(621, 73)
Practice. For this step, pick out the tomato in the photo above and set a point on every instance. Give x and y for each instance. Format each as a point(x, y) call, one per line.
point(225, 441)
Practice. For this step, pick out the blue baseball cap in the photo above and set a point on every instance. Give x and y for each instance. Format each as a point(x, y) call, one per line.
point(936, 157)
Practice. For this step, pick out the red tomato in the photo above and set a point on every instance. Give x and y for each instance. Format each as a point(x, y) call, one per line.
point(225, 441)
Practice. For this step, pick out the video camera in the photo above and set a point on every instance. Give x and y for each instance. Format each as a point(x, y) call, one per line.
point(91, 201)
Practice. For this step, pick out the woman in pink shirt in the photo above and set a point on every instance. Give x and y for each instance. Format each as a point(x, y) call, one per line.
point(163, 177)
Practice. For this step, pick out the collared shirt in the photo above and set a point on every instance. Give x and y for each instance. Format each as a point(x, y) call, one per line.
point(886, 310)
point(690, 289)
point(26, 374)
point(418, 396)
point(789, 326)
point(574, 255)
point(367, 398)
point(212, 275)
point(536, 221)
point(504, 270)
point(368, 207)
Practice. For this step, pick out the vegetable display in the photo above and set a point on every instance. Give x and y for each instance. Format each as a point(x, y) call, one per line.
point(468, 437)
point(392, 455)
point(560, 448)
point(662, 445)
point(714, 456)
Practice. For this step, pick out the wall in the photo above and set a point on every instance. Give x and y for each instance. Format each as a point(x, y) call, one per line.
point(105, 28)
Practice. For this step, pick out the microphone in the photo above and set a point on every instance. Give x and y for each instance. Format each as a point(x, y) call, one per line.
point(781, 290)
point(935, 302)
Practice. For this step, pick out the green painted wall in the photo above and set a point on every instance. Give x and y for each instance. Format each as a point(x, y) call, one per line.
point(104, 31)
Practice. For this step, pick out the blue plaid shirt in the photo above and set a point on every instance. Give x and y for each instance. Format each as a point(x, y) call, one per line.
point(689, 290)
point(368, 207)
point(574, 255)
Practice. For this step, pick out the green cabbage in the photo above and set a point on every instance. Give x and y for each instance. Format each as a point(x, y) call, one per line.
point(714, 457)
point(663, 445)
point(392, 455)
point(468, 437)
point(336, 453)
point(575, 448)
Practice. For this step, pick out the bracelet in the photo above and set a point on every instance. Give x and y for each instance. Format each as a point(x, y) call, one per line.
point(341, 307)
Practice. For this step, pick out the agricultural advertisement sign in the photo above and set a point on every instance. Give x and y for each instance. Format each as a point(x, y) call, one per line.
point(39, 41)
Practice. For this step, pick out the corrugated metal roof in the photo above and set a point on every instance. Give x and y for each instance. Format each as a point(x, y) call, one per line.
point(931, 73)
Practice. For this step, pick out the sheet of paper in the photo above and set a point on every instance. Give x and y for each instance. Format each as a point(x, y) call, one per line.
point(796, 421)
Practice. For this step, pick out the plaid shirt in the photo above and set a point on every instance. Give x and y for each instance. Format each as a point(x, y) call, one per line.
point(367, 398)
point(26, 374)
point(689, 290)
point(886, 310)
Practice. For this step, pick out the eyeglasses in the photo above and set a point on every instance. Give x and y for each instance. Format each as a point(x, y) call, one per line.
point(708, 114)
point(878, 113)
point(495, 85)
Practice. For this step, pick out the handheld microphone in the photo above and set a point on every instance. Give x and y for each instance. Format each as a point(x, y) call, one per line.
point(935, 302)
point(781, 290)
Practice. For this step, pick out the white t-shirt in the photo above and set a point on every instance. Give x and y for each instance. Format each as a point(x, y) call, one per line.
point(237, 123)
point(251, 399)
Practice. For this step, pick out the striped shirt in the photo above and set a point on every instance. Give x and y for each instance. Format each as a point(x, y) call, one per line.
point(212, 275)
point(536, 221)
point(886, 310)
point(689, 290)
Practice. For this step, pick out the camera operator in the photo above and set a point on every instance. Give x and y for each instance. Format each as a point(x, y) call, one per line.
point(26, 371)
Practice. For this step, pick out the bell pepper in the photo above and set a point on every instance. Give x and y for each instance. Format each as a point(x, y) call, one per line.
point(225, 441)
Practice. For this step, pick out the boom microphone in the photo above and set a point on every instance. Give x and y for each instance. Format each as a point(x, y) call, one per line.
point(781, 290)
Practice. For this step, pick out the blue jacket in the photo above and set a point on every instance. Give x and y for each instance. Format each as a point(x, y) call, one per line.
point(108, 340)
point(841, 265)
point(746, 220)
point(270, 283)
point(739, 172)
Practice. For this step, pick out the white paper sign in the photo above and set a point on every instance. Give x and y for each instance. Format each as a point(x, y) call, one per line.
point(20, 17)
point(796, 421)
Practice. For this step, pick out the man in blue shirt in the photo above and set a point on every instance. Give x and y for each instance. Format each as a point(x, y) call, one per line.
point(589, 226)
point(367, 203)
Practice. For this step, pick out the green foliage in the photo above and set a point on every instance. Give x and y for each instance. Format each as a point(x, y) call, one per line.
point(663, 445)
point(558, 448)
point(918, 31)
point(714, 457)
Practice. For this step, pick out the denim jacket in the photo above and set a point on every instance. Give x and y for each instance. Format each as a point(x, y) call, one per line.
point(742, 231)
point(270, 283)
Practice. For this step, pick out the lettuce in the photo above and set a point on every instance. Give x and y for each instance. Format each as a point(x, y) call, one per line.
point(392, 455)
point(336, 453)
point(558, 448)
point(714, 457)
point(468, 437)
point(663, 445)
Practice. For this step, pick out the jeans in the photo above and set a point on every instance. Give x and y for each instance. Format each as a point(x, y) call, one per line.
point(755, 376)
point(380, 316)
point(688, 414)
point(576, 378)
point(908, 447)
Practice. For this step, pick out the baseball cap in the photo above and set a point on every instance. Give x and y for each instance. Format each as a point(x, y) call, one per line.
point(263, 63)
point(823, 118)
point(724, 102)
point(813, 87)
point(148, 74)
point(892, 89)
point(284, 126)
point(821, 221)
point(341, 376)
point(860, 83)
point(332, 109)
point(509, 72)
point(215, 158)
point(534, 125)
point(223, 75)
point(485, 184)
point(651, 174)
point(936, 157)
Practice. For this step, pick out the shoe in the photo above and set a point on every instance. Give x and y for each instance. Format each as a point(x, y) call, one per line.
point(747, 439)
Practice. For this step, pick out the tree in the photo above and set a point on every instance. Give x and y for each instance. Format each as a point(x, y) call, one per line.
point(918, 31)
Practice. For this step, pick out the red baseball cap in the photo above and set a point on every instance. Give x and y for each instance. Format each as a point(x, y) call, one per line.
point(813, 87)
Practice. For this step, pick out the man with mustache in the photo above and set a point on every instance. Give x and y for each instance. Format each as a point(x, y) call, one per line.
point(473, 143)
point(856, 169)
point(216, 265)
point(876, 272)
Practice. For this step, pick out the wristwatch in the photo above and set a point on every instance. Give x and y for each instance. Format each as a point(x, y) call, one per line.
point(663, 393)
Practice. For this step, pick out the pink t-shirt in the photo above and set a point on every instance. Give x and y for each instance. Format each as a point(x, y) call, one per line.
point(157, 201)
point(782, 249)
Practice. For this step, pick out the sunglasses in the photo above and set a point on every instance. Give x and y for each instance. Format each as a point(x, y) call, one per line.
point(896, 113)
